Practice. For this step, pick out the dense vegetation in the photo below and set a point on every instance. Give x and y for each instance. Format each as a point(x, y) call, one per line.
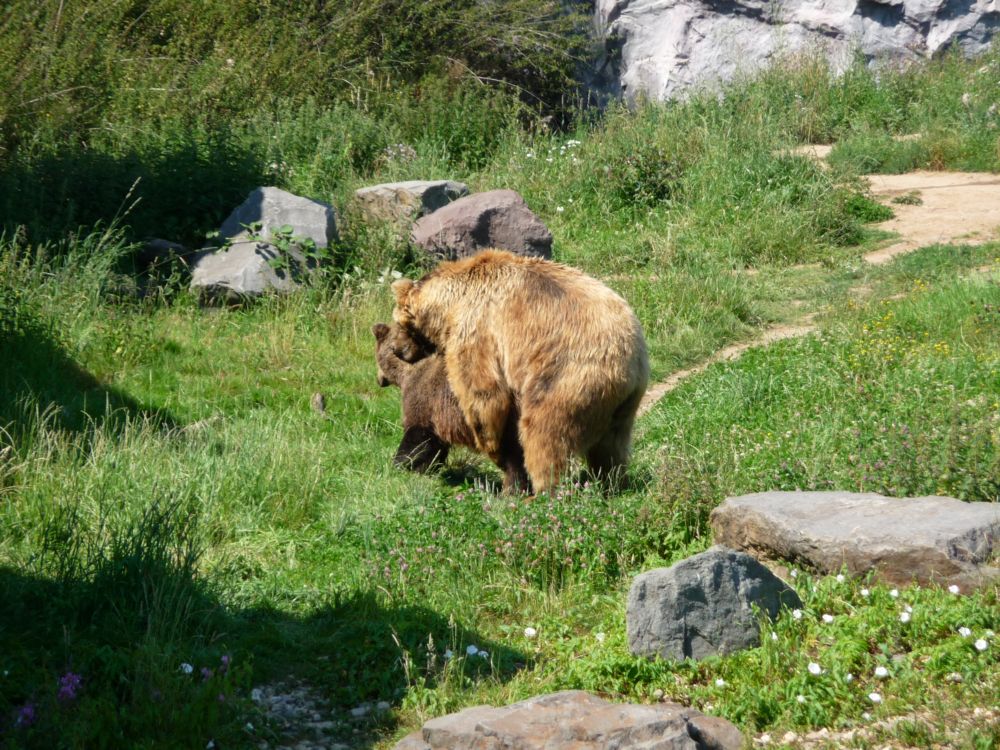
point(167, 497)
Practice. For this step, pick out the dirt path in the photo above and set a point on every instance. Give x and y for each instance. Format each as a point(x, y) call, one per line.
point(940, 207)
point(955, 207)
point(731, 352)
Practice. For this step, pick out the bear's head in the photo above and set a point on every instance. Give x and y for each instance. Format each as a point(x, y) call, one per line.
point(395, 350)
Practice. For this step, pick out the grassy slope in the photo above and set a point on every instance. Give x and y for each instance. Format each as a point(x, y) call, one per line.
point(316, 559)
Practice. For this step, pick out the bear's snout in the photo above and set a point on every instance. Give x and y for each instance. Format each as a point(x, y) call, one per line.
point(383, 381)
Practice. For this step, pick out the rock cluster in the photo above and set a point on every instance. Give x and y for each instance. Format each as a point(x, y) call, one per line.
point(274, 239)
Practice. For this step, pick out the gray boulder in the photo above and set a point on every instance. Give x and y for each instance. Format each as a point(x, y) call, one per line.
point(273, 208)
point(702, 606)
point(575, 720)
point(246, 269)
point(663, 48)
point(498, 218)
point(401, 203)
point(924, 539)
point(259, 256)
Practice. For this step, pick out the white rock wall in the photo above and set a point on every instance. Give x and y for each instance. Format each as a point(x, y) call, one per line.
point(670, 46)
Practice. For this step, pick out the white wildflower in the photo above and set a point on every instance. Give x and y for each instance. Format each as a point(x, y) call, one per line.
point(774, 636)
point(954, 588)
point(865, 592)
point(559, 209)
point(815, 668)
point(797, 614)
point(448, 653)
point(800, 698)
point(981, 644)
point(881, 672)
point(471, 650)
point(186, 668)
point(840, 578)
point(530, 632)
point(828, 618)
point(964, 632)
point(875, 697)
point(600, 637)
point(483, 654)
point(894, 593)
point(904, 617)
point(793, 573)
point(848, 677)
point(720, 682)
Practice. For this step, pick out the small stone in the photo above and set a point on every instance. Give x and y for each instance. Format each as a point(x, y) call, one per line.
point(383, 706)
point(789, 737)
point(360, 711)
point(954, 677)
point(318, 403)
point(658, 694)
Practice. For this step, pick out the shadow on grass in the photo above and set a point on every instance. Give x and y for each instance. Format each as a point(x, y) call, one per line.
point(124, 609)
point(42, 384)
point(188, 181)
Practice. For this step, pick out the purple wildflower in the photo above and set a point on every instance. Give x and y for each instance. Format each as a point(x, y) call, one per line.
point(25, 715)
point(69, 683)
point(206, 674)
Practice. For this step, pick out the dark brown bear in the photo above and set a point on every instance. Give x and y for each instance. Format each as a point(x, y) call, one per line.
point(432, 418)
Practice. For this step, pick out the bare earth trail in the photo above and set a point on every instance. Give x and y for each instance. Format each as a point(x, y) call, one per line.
point(947, 208)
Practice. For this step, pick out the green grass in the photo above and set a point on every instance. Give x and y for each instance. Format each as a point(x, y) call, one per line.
point(168, 497)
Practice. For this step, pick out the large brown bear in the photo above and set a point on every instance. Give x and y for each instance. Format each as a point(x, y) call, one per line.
point(538, 337)
point(432, 419)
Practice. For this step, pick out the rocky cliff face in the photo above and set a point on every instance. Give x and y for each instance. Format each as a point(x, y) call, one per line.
point(662, 48)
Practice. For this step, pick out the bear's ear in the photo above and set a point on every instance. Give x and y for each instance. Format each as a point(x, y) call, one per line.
point(402, 289)
point(381, 330)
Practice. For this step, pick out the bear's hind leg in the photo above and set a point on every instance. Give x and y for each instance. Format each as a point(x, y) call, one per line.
point(511, 461)
point(546, 451)
point(608, 457)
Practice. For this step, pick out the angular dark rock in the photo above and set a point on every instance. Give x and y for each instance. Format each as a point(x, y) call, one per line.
point(703, 606)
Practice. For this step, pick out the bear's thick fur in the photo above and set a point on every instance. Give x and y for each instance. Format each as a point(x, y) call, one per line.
point(537, 337)
point(432, 419)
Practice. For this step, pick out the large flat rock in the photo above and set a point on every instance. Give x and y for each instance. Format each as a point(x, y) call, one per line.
point(904, 540)
point(575, 720)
